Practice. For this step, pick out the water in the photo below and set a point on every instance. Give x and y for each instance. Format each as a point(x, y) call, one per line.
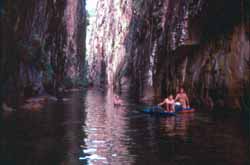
point(87, 129)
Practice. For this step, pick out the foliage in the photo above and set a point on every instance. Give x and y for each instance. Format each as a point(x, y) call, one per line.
point(48, 73)
point(68, 82)
point(246, 6)
point(245, 101)
point(81, 80)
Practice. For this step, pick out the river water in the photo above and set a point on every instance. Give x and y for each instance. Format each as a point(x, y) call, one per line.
point(86, 128)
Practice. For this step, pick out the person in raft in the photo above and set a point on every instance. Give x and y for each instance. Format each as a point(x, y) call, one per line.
point(182, 99)
point(169, 102)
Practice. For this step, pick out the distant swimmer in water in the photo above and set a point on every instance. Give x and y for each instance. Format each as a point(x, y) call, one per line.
point(182, 98)
point(169, 102)
point(117, 100)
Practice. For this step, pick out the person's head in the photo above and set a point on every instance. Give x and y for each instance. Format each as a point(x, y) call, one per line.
point(181, 90)
point(171, 96)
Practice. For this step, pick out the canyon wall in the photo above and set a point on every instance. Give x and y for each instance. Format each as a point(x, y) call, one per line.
point(43, 46)
point(149, 48)
point(107, 51)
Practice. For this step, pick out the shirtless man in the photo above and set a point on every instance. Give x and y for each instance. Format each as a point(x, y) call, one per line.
point(169, 103)
point(182, 98)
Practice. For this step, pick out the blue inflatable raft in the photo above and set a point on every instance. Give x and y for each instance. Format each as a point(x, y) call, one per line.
point(157, 110)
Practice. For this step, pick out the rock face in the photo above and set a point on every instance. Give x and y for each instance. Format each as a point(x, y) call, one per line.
point(43, 46)
point(107, 54)
point(151, 47)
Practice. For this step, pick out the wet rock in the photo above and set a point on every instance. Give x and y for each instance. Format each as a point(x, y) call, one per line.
point(73, 90)
point(32, 106)
point(36, 103)
point(65, 99)
point(6, 108)
point(37, 100)
point(52, 98)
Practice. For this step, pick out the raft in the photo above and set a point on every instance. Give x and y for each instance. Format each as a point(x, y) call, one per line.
point(179, 109)
point(158, 111)
point(187, 110)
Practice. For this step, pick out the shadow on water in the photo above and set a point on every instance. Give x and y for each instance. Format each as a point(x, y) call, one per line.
point(89, 129)
point(50, 136)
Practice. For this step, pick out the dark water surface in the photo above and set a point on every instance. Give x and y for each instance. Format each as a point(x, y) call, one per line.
point(88, 129)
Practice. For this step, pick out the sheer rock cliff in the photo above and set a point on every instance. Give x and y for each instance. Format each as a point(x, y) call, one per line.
point(43, 46)
point(152, 47)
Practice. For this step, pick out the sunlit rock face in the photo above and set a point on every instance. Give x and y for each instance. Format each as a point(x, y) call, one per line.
point(150, 48)
point(107, 50)
point(43, 45)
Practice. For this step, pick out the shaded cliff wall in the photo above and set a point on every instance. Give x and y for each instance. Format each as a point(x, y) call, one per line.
point(76, 39)
point(208, 50)
point(43, 45)
point(201, 45)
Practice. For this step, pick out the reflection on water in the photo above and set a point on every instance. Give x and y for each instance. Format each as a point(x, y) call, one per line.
point(177, 126)
point(122, 135)
point(89, 129)
point(105, 125)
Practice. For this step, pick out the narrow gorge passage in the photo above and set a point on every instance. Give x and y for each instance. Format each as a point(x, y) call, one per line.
point(78, 76)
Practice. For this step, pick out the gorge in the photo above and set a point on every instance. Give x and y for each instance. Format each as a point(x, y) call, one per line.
point(76, 77)
point(146, 48)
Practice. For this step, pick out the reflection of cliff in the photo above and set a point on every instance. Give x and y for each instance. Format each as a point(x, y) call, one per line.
point(105, 125)
point(43, 45)
point(159, 45)
point(177, 126)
